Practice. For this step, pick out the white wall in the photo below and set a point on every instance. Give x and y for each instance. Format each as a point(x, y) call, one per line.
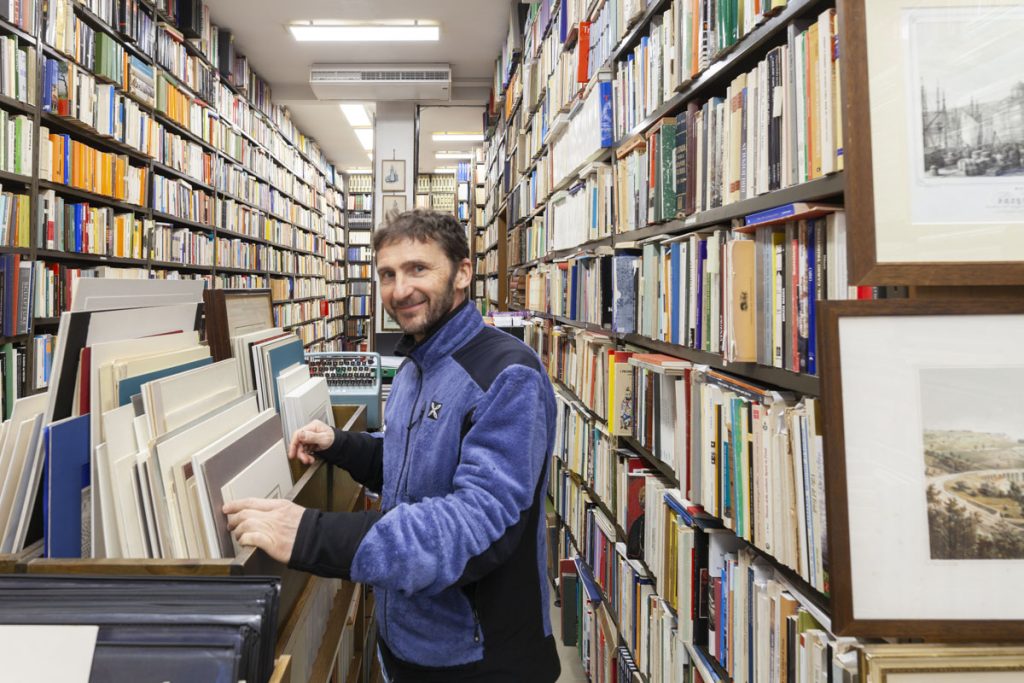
point(395, 138)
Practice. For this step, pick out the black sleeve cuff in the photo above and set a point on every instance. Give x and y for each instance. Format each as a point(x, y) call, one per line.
point(359, 453)
point(326, 542)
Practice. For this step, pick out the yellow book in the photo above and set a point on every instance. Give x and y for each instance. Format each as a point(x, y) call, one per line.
point(813, 104)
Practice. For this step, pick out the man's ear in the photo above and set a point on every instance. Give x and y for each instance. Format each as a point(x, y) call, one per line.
point(464, 274)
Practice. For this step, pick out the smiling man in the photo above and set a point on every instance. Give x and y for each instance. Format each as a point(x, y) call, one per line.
point(457, 552)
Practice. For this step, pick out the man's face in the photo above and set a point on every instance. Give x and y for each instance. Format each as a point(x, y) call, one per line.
point(418, 284)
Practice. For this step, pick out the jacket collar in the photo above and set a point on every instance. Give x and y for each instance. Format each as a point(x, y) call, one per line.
point(447, 335)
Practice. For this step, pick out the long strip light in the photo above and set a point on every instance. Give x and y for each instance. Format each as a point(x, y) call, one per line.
point(364, 33)
point(458, 137)
point(357, 115)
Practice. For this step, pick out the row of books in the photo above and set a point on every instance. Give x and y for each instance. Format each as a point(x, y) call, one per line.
point(695, 593)
point(176, 197)
point(779, 125)
point(585, 135)
point(187, 157)
point(81, 228)
point(292, 314)
point(360, 305)
point(285, 289)
point(17, 70)
point(15, 230)
point(21, 13)
point(54, 284)
point(171, 55)
point(15, 294)
point(750, 457)
point(84, 167)
point(181, 245)
point(751, 300)
point(582, 213)
point(16, 132)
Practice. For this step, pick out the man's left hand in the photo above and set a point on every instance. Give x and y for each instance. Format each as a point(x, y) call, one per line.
point(270, 525)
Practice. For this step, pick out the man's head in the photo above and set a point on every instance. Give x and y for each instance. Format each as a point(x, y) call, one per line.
point(423, 266)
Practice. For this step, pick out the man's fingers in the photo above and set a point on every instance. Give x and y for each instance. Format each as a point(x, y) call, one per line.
point(251, 504)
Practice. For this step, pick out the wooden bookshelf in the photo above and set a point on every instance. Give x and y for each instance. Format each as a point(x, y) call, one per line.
point(514, 121)
point(287, 140)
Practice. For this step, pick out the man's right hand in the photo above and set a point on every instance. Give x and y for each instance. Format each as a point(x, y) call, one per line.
point(306, 442)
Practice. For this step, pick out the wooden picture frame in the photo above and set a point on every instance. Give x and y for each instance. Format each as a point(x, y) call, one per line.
point(921, 209)
point(920, 663)
point(230, 312)
point(397, 203)
point(392, 175)
point(889, 571)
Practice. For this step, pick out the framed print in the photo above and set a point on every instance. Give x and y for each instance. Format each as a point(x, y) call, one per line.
point(394, 204)
point(934, 141)
point(924, 464)
point(392, 175)
point(941, 663)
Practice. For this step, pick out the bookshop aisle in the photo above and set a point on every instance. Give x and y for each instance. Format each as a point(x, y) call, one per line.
point(568, 656)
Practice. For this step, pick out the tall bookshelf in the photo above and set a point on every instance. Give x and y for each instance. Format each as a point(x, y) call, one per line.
point(361, 299)
point(218, 184)
point(543, 154)
point(478, 228)
point(437, 191)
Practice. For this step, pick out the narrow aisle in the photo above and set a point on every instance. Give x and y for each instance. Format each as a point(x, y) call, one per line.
point(572, 668)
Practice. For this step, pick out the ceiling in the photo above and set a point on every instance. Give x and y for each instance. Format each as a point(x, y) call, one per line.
point(472, 33)
point(462, 119)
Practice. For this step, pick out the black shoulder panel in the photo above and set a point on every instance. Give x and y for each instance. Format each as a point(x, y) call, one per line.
point(487, 354)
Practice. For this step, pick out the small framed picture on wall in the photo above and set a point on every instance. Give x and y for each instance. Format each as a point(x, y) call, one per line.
point(392, 175)
point(394, 204)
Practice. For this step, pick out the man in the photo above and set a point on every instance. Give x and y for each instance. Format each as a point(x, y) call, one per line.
point(457, 552)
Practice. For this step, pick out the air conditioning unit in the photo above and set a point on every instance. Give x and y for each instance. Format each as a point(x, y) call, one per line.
point(381, 82)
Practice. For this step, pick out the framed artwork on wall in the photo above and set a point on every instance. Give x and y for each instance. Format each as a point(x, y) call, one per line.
point(394, 204)
point(392, 175)
point(932, 663)
point(934, 141)
point(924, 462)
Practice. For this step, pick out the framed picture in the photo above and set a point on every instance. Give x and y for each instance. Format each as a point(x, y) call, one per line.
point(924, 461)
point(941, 663)
point(394, 203)
point(934, 141)
point(392, 175)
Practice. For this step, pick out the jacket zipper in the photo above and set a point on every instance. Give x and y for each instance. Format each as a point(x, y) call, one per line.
point(476, 614)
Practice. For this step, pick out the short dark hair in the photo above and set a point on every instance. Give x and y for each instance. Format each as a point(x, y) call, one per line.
point(425, 226)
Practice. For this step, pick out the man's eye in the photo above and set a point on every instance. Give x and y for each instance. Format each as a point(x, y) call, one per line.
point(420, 269)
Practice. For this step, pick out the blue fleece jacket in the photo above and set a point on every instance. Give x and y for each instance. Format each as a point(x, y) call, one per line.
point(457, 554)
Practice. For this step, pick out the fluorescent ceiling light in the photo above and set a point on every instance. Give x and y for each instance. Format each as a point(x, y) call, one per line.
point(453, 155)
point(365, 32)
point(356, 115)
point(444, 170)
point(458, 137)
point(365, 136)
point(359, 171)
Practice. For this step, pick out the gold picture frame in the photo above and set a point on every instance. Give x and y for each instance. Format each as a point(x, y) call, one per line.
point(938, 663)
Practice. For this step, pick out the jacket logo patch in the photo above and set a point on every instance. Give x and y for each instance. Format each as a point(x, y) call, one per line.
point(435, 410)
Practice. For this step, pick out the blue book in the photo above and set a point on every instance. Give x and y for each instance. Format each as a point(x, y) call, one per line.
point(786, 211)
point(607, 114)
point(79, 213)
point(67, 159)
point(66, 476)
point(282, 358)
point(130, 386)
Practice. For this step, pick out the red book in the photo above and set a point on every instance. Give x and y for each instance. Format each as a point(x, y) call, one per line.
point(583, 50)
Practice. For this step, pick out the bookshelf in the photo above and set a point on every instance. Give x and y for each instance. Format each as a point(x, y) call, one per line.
point(557, 158)
point(360, 302)
point(221, 185)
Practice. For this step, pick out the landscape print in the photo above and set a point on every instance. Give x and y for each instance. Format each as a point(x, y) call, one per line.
point(973, 422)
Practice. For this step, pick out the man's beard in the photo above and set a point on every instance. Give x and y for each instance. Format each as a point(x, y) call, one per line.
point(436, 309)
